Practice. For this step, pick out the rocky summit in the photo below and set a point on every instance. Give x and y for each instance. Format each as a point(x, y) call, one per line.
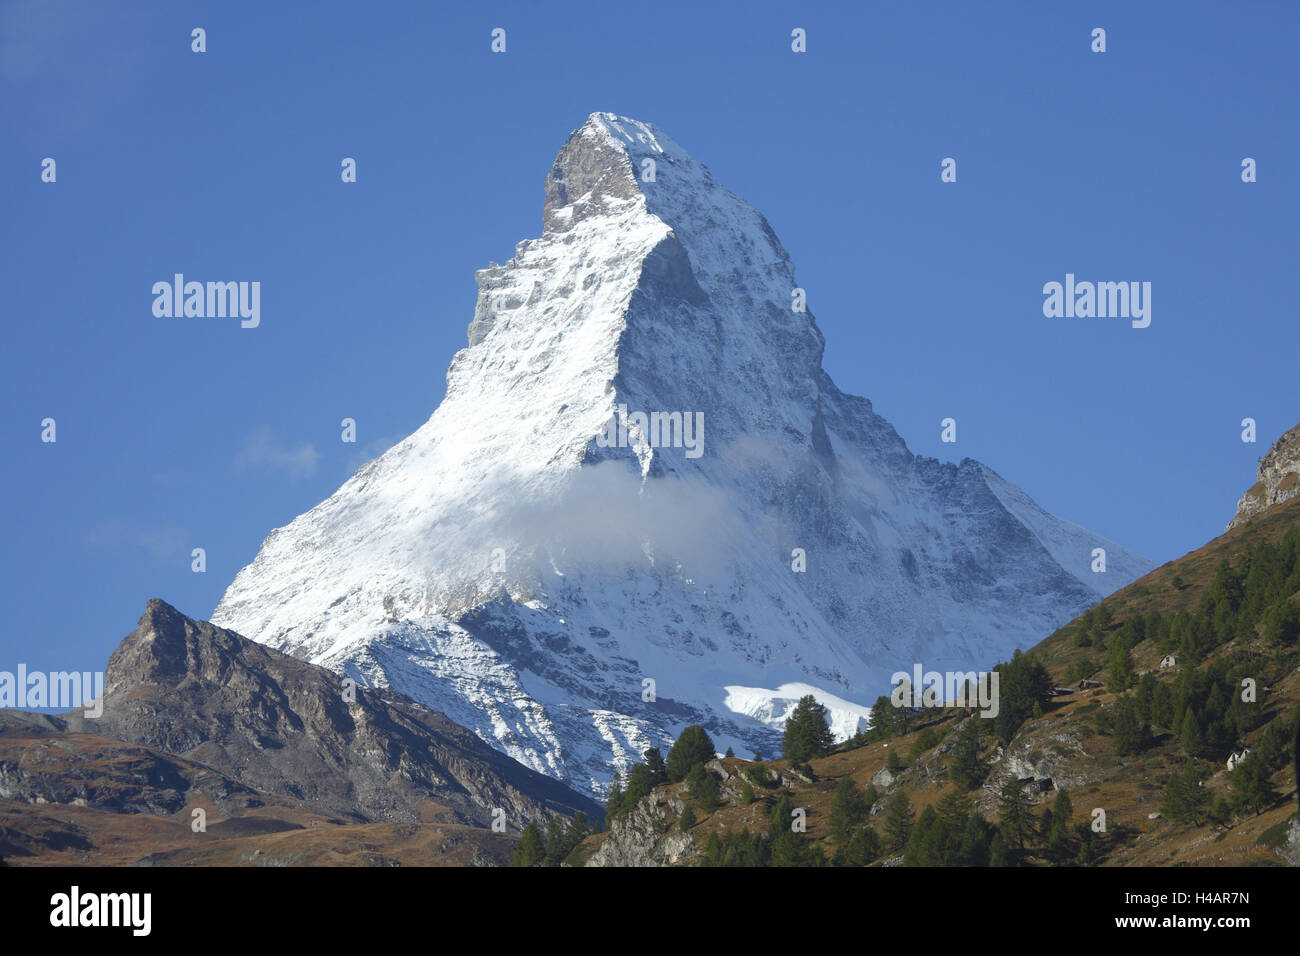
point(285, 727)
point(555, 563)
point(1277, 479)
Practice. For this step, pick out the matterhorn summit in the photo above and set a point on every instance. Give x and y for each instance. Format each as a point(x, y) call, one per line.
point(643, 504)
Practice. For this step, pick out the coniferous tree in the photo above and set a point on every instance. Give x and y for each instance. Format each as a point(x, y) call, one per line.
point(687, 818)
point(1060, 844)
point(898, 822)
point(556, 842)
point(639, 783)
point(883, 719)
point(1220, 811)
point(1162, 706)
point(922, 847)
point(1251, 787)
point(654, 763)
point(953, 808)
point(614, 802)
point(968, 768)
point(713, 850)
point(1131, 733)
point(693, 747)
point(1014, 814)
point(795, 849)
point(807, 732)
point(1144, 696)
point(780, 819)
point(1185, 799)
point(1119, 670)
point(531, 848)
point(1282, 623)
point(1193, 738)
point(703, 785)
point(861, 848)
point(1022, 683)
point(975, 842)
point(848, 809)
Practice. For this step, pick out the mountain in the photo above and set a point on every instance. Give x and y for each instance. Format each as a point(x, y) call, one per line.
point(287, 770)
point(1193, 631)
point(1278, 479)
point(640, 473)
point(270, 724)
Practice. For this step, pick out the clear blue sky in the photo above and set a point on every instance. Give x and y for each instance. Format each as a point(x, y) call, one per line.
point(182, 433)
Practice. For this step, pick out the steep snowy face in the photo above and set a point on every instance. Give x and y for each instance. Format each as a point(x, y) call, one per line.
point(642, 502)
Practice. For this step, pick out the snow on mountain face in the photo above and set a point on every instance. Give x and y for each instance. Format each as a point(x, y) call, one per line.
point(542, 548)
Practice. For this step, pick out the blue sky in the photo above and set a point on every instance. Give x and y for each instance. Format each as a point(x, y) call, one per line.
point(182, 433)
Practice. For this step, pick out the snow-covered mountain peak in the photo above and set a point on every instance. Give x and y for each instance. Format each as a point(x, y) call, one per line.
point(642, 502)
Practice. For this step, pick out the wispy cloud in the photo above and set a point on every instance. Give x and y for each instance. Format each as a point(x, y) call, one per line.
point(166, 544)
point(75, 61)
point(371, 450)
point(264, 450)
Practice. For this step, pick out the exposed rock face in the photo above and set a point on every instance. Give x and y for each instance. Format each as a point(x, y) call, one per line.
point(281, 725)
point(647, 836)
point(1277, 479)
point(1045, 751)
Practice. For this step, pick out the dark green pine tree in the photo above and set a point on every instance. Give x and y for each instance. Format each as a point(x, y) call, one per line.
point(639, 784)
point(614, 802)
point(1130, 732)
point(1017, 821)
point(848, 809)
point(1060, 844)
point(975, 839)
point(807, 732)
point(693, 747)
point(557, 847)
point(780, 820)
point(884, 719)
point(923, 843)
point(531, 848)
point(1193, 738)
point(654, 763)
point(862, 848)
point(1251, 787)
point(1185, 800)
point(579, 830)
point(968, 768)
point(1119, 669)
point(713, 850)
point(703, 785)
point(898, 822)
point(687, 819)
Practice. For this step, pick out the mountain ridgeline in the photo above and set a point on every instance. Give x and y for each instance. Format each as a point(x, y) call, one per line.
point(549, 561)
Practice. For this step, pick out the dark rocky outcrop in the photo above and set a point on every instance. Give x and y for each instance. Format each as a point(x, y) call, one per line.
point(282, 726)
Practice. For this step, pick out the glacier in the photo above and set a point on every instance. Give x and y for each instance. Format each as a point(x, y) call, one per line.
point(574, 600)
